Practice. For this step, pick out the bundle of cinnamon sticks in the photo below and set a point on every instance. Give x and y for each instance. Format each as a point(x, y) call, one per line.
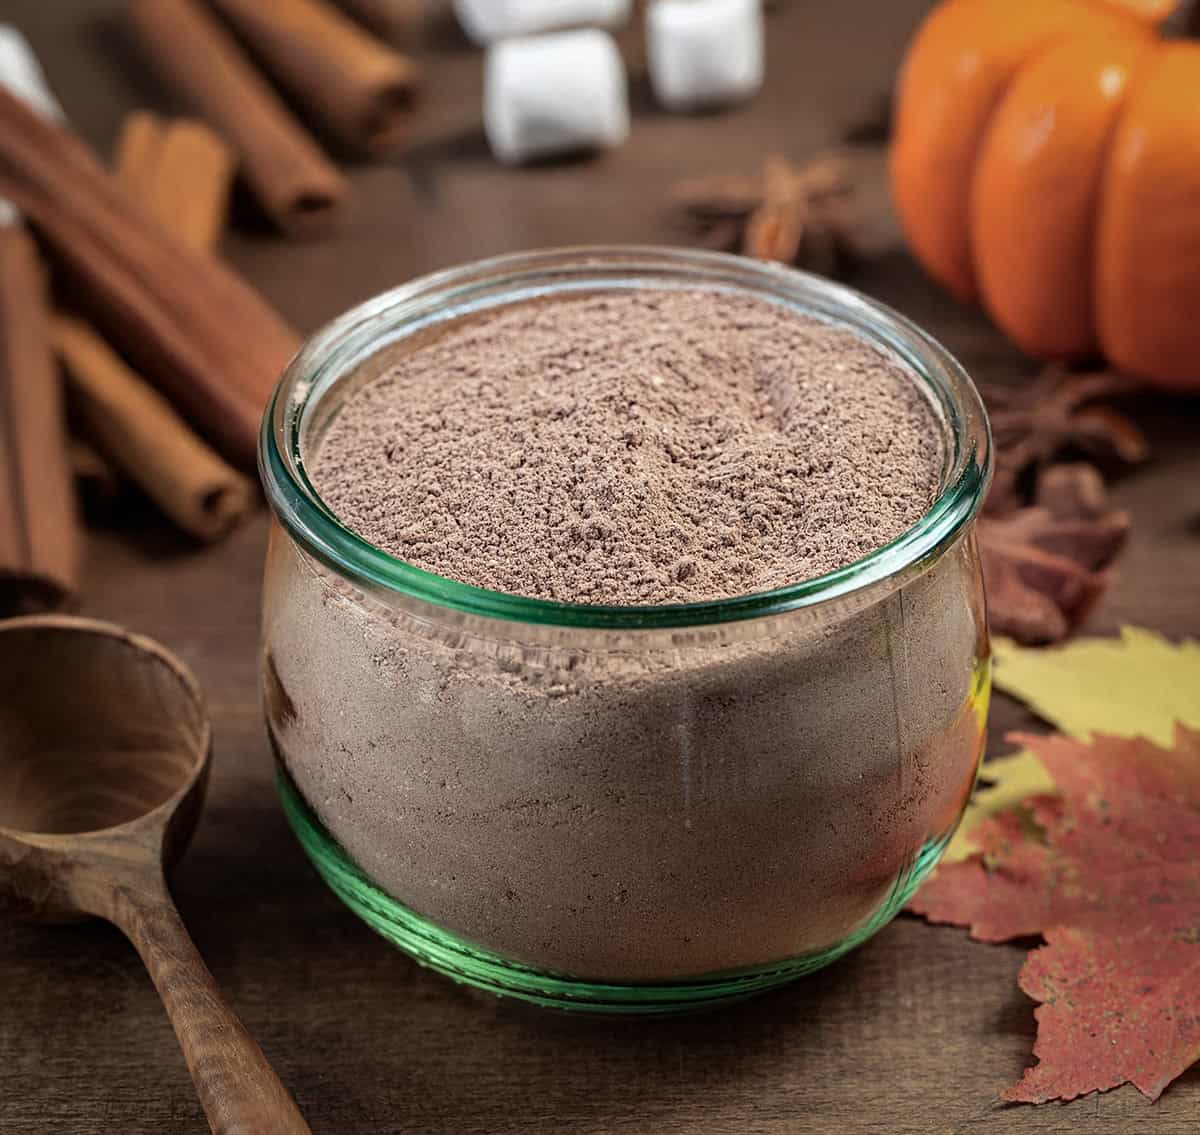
point(357, 87)
point(200, 332)
point(169, 357)
point(180, 171)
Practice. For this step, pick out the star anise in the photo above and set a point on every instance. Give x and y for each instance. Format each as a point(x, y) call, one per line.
point(1056, 414)
point(805, 214)
point(1045, 565)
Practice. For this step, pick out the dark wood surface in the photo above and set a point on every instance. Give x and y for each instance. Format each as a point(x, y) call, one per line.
point(916, 1032)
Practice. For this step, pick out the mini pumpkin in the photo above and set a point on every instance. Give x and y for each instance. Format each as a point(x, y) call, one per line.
point(1046, 160)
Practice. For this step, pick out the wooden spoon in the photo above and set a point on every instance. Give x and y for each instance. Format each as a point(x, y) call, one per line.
point(104, 756)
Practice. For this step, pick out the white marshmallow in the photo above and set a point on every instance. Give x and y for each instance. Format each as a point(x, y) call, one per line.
point(553, 94)
point(488, 20)
point(704, 53)
point(22, 74)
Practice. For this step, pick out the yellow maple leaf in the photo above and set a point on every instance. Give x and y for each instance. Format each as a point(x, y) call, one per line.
point(1003, 783)
point(1137, 685)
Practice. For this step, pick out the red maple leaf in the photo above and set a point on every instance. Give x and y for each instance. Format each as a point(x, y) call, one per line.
point(1112, 882)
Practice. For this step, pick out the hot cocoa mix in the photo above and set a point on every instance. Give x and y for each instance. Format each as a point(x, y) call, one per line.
point(643, 448)
point(644, 805)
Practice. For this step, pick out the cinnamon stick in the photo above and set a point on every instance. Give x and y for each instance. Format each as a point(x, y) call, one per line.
point(297, 186)
point(39, 537)
point(138, 149)
point(137, 430)
point(358, 86)
point(95, 478)
point(195, 329)
point(181, 171)
point(398, 21)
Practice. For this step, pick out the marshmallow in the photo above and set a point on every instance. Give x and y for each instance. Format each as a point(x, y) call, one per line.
point(488, 20)
point(22, 74)
point(704, 53)
point(553, 94)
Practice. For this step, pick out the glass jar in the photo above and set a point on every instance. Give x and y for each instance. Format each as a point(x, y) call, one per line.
point(637, 809)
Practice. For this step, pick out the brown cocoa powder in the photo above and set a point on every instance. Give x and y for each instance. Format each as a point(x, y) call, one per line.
point(643, 448)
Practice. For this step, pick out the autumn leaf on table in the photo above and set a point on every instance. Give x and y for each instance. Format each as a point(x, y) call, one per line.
point(1045, 566)
point(1136, 685)
point(1046, 561)
point(1112, 882)
point(1004, 782)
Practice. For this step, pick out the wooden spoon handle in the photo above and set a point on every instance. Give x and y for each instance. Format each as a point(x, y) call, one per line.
point(239, 1091)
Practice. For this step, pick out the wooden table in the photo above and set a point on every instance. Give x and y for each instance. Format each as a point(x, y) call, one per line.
point(916, 1032)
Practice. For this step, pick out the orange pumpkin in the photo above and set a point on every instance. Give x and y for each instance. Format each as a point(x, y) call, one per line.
point(1046, 160)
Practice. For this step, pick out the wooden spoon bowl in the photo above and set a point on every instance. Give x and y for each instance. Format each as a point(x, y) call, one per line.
point(101, 730)
point(104, 757)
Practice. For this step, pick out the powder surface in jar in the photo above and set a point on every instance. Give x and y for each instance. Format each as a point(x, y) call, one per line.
point(641, 447)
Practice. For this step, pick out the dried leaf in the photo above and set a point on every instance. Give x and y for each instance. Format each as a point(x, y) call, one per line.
point(1044, 566)
point(1072, 491)
point(1004, 783)
point(1136, 685)
point(1112, 883)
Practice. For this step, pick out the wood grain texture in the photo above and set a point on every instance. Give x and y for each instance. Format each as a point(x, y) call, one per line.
point(238, 1090)
point(916, 1032)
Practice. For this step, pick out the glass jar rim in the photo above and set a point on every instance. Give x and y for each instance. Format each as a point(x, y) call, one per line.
point(337, 349)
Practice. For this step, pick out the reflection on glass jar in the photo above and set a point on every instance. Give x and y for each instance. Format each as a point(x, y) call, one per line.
point(640, 809)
